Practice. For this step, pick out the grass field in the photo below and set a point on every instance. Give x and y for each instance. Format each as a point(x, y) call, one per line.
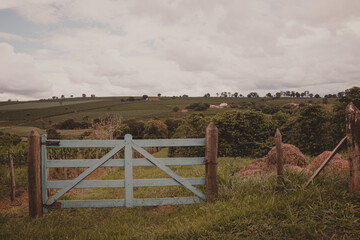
point(42, 114)
point(248, 208)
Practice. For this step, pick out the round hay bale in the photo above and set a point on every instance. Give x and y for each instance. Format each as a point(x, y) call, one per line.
point(337, 162)
point(291, 155)
point(257, 167)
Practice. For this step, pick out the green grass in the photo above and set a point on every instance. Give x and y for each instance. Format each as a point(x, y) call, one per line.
point(248, 208)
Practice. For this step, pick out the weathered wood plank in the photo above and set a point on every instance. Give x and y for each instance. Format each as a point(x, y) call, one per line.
point(120, 162)
point(336, 149)
point(189, 142)
point(165, 201)
point(353, 146)
point(44, 171)
point(211, 162)
point(92, 203)
point(84, 174)
point(129, 191)
point(86, 143)
point(34, 175)
point(121, 202)
point(154, 182)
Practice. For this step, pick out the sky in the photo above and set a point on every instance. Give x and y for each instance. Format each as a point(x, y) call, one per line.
point(175, 47)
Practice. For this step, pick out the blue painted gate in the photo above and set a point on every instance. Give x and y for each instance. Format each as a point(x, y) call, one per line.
point(128, 163)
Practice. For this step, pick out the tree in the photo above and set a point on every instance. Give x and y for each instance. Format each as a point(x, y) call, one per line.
point(253, 95)
point(317, 96)
point(236, 94)
point(155, 129)
point(351, 95)
point(145, 97)
point(132, 126)
point(207, 95)
point(309, 130)
point(159, 94)
point(172, 125)
point(268, 95)
point(244, 133)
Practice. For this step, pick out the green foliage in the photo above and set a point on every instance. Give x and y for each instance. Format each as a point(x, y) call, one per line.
point(172, 125)
point(71, 124)
point(18, 153)
point(132, 126)
point(52, 133)
point(7, 140)
point(155, 129)
point(198, 106)
point(351, 95)
point(244, 133)
point(309, 130)
point(192, 126)
point(5, 181)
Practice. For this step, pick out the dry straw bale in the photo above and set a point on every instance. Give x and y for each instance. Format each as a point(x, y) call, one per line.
point(293, 159)
point(336, 163)
point(291, 155)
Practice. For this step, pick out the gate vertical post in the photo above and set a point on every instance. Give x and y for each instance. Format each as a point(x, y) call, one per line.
point(353, 146)
point(34, 175)
point(129, 194)
point(44, 171)
point(211, 149)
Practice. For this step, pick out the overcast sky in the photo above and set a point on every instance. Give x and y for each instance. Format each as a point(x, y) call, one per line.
point(174, 47)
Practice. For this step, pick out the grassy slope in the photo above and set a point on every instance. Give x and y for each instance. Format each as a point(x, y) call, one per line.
point(46, 112)
point(248, 208)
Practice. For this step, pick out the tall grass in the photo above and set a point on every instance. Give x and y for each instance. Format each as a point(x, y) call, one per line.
point(248, 208)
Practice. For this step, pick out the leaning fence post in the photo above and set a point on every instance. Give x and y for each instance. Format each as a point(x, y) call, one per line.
point(34, 174)
point(353, 146)
point(211, 162)
point(12, 177)
point(279, 155)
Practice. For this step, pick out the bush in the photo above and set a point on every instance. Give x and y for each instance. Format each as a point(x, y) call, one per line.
point(198, 106)
point(246, 133)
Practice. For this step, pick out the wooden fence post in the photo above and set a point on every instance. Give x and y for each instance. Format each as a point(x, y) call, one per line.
point(353, 146)
point(34, 175)
point(211, 162)
point(279, 155)
point(12, 177)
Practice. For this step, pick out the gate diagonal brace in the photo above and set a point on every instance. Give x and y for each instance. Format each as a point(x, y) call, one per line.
point(83, 175)
point(166, 169)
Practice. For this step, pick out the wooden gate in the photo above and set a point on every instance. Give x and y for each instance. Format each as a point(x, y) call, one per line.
point(128, 162)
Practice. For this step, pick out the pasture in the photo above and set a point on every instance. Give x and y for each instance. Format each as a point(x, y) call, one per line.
point(42, 114)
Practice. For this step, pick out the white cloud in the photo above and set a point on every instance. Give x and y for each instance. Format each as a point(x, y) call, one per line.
point(19, 75)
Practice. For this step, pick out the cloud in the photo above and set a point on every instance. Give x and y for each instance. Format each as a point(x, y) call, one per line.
point(187, 47)
point(19, 75)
